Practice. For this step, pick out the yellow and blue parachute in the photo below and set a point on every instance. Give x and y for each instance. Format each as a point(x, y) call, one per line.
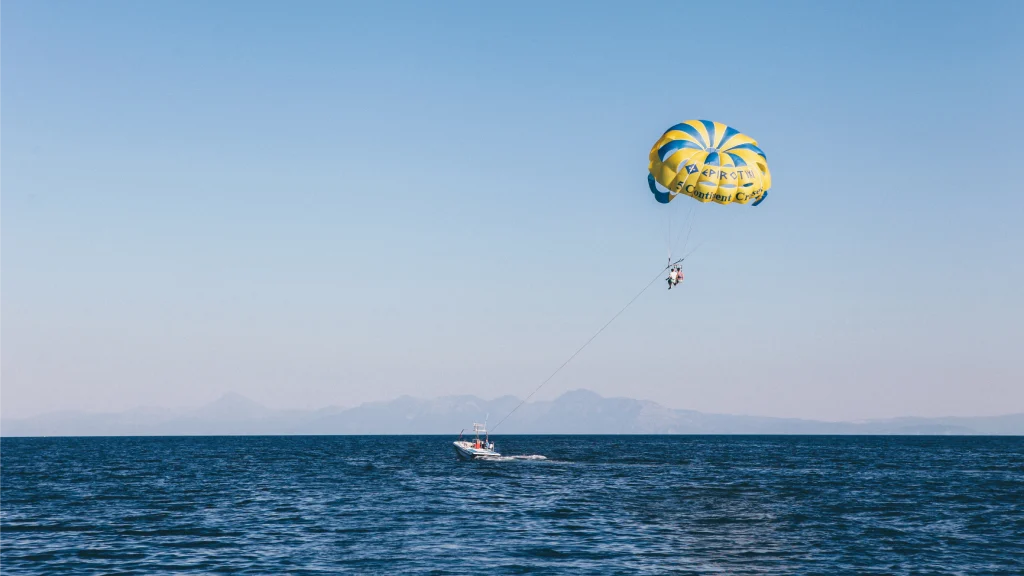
point(709, 162)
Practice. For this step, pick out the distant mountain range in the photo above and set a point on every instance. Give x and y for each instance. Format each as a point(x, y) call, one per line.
point(576, 412)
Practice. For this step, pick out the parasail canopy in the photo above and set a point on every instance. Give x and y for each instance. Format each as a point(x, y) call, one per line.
point(709, 162)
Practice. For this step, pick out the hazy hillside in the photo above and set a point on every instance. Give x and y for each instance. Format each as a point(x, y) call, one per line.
point(576, 412)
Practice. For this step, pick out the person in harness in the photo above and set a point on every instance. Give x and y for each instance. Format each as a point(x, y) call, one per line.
point(675, 276)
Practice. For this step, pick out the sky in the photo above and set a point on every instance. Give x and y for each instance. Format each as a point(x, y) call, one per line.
point(328, 203)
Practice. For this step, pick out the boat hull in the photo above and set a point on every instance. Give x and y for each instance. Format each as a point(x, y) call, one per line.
point(467, 451)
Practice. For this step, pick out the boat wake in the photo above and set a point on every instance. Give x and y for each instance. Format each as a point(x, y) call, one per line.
point(512, 458)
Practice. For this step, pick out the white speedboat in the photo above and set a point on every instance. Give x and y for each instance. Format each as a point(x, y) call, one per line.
point(477, 448)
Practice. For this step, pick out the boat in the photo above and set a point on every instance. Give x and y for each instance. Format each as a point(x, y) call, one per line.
point(477, 448)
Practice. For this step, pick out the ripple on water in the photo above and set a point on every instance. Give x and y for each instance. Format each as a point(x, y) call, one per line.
point(631, 505)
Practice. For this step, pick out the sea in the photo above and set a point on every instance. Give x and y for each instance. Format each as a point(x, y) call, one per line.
point(554, 505)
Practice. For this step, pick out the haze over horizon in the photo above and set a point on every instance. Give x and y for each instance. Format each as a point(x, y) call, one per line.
point(232, 399)
point(577, 411)
point(330, 204)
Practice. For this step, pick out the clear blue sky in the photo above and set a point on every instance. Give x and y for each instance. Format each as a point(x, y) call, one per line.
point(323, 203)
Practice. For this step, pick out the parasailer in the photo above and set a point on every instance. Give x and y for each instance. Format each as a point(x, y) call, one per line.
point(709, 162)
point(675, 276)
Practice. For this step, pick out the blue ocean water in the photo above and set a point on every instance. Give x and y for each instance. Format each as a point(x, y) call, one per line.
point(598, 504)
